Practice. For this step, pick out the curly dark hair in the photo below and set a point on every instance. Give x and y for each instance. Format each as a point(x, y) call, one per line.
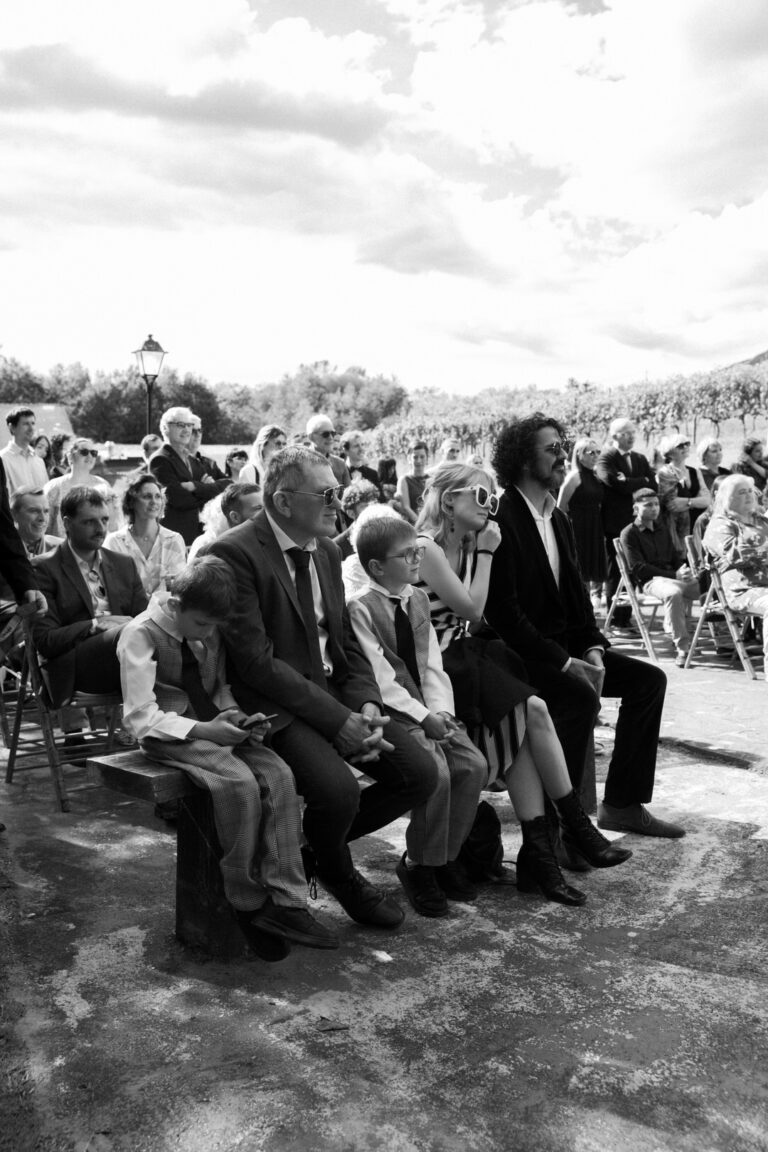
point(514, 448)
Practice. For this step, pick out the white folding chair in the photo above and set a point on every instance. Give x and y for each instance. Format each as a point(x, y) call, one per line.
point(628, 596)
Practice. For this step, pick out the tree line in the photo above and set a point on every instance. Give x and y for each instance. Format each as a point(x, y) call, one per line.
point(111, 405)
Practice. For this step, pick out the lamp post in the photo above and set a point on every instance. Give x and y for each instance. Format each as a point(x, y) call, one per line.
point(149, 360)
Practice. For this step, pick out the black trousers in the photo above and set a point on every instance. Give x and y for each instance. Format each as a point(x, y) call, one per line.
point(336, 810)
point(573, 706)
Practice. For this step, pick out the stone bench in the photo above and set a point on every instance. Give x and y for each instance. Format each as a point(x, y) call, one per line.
point(204, 918)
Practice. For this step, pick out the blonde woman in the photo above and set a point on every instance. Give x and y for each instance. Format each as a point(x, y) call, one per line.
point(270, 438)
point(82, 455)
point(581, 498)
point(505, 718)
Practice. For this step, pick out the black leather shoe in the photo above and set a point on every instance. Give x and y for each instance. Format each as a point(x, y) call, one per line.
point(2, 827)
point(294, 924)
point(581, 841)
point(453, 880)
point(420, 886)
point(537, 868)
point(266, 947)
point(637, 818)
point(364, 903)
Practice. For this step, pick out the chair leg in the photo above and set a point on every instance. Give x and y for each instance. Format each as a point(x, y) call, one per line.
point(645, 634)
point(17, 719)
point(54, 763)
point(699, 625)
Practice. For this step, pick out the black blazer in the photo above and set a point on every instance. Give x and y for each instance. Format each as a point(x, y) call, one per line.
point(611, 469)
point(268, 654)
point(14, 563)
point(182, 510)
point(544, 623)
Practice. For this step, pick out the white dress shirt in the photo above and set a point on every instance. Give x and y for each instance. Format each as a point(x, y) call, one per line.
point(435, 685)
point(23, 466)
point(543, 521)
point(136, 650)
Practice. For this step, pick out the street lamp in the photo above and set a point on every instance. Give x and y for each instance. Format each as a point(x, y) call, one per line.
point(149, 360)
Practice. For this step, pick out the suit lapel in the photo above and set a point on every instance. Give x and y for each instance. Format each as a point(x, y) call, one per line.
point(275, 555)
point(71, 570)
point(526, 521)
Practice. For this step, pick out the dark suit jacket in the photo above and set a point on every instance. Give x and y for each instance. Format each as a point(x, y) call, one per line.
point(544, 623)
point(182, 510)
point(617, 500)
point(70, 608)
point(269, 657)
point(14, 564)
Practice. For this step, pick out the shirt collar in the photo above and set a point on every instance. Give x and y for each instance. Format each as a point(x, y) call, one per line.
point(549, 506)
point(283, 539)
point(14, 449)
point(83, 565)
point(403, 597)
point(642, 527)
point(159, 614)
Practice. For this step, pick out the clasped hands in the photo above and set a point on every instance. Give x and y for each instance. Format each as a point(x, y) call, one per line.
point(361, 737)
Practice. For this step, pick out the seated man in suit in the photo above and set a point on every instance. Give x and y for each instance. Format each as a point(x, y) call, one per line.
point(188, 484)
point(658, 568)
point(292, 653)
point(539, 604)
point(623, 472)
point(91, 593)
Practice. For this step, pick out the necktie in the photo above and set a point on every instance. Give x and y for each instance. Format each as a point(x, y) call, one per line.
point(302, 560)
point(406, 645)
point(628, 462)
point(192, 683)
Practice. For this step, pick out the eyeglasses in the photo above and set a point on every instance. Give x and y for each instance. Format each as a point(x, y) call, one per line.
point(410, 555)
point(556, 448)
point(87, 451)
point(483, 497)
point(179, 424)
point(327, 434)
point(328, 495)
point(591, 452)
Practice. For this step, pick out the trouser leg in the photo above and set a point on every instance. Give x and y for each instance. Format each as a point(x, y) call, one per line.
point(641, 688)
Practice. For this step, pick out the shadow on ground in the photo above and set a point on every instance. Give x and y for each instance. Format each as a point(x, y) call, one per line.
point(637, 1022)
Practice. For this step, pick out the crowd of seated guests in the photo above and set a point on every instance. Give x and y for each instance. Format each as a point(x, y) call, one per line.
point(454, 649)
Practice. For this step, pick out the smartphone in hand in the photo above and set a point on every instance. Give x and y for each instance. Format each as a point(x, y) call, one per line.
point(256, 720)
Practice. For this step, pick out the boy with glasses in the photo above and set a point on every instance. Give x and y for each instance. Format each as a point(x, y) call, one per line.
point(391, 620)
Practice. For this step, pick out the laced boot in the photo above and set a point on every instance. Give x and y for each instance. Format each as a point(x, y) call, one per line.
point(537, 868)
point(582, 840)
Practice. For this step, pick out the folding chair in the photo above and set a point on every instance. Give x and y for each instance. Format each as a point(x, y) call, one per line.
point(628, 596)
point(716, 609)
point(33, 738)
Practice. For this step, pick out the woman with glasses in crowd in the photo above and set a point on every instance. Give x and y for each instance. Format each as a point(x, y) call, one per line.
point(581, 497)
point(709, 454)
point(682, 490)
point(158, 552)
point(270, 438)
point(82, 457)
point(503, 715)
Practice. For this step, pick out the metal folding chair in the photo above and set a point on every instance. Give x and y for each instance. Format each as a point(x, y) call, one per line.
point(33, 738)
point(715, 609)
point(628, 596)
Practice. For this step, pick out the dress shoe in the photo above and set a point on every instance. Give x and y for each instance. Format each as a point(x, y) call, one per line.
point(453, 880)
point(636, 818)
point(680, 659)
point(364, 903)
point(2, 827)
point(266, 947)
point(420, 886)
point(294, 924)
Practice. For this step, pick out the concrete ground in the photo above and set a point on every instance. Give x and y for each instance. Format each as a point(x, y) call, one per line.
point(639, 1022)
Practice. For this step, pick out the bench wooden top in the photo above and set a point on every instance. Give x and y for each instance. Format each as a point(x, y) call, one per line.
point(134, 775)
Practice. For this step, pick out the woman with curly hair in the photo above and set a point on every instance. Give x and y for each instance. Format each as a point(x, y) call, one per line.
point(505, 718)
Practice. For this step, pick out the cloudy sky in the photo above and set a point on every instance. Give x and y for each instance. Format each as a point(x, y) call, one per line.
point(463, 193)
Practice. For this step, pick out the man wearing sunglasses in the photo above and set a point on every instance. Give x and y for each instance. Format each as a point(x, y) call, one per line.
point(187, 482)
point(321, 432)
point(539, 604)
point(292, 652)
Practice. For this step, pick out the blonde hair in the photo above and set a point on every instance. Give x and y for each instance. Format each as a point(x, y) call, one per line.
point(446, 478)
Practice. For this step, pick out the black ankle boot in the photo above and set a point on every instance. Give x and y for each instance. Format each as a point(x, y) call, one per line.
point(537, 868)
point(582, 839)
